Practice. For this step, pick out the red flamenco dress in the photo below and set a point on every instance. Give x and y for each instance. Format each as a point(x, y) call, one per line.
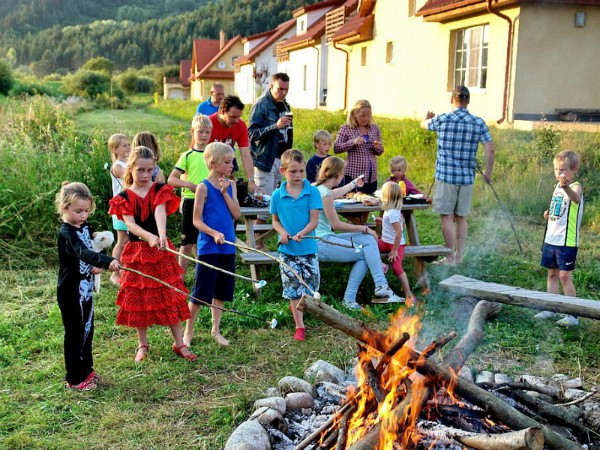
point(144, 302)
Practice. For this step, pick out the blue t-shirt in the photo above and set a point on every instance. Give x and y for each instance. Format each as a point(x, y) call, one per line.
point(207, 108)
point(216, 215)
point(294, 215)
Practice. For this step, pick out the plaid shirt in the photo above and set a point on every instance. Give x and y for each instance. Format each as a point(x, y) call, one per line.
point(459, 134)
point(361, 158)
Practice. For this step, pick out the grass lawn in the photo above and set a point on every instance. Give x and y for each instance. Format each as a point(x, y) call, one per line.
point(167, 402)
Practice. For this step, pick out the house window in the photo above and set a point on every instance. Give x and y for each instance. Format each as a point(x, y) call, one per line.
point(471, 57)
point(363, 56)
point(233, 58)
point(301, 26)
point(304, 80)
point(389, 52)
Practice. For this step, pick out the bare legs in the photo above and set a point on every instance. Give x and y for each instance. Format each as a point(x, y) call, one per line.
point(187, 250)
point(298, 315)
point(454, 232)
point(122, 239)
point(566, 279)
point(216, 313)
point(143, 347)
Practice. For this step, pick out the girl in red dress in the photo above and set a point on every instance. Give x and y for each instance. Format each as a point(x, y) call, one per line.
point(143, 302)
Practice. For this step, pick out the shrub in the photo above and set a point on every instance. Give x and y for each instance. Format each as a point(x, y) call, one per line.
point(6, 77)
point(31, 87)
point(166, 71)
point(99, 64)
point(86, 83)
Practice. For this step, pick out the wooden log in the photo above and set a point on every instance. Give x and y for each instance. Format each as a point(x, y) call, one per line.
point(575, 306)
point(527, 439)
point(496, 407)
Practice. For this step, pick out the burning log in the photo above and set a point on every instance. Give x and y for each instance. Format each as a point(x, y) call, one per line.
point(527, 439)
point(442, 375)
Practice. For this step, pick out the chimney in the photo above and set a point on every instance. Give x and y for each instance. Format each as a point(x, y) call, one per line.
point(221, 39)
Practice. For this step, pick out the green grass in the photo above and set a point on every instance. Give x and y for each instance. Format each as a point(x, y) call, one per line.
point(167, 402)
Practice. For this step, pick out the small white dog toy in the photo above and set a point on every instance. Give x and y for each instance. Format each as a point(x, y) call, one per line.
point(102, 240)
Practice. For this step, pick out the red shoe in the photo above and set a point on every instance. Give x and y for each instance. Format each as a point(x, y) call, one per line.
point(178, 352)
point(89, 384)
point(300, 334)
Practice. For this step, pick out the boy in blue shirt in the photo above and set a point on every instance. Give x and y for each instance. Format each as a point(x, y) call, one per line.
point(295, 208)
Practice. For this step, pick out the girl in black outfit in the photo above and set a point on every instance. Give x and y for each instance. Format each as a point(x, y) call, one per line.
point(78, 264)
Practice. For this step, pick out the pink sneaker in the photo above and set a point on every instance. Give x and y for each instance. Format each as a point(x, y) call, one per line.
point(89, 384)
point(300, 334)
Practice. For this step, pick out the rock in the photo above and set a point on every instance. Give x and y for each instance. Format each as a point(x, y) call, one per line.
point(502, 378)
point(250, 435)
point(270, 417)
point(323, 371)
point(277, 403)
point(573, 394)
point(466, 373)
point(536, 381)
point(331, 391)
point(272, 392)
point(295, 384)
point(574, 383)
point(485, 377)
point(299, 400)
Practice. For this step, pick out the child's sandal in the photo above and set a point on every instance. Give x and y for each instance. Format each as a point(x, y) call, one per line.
point(140, 357)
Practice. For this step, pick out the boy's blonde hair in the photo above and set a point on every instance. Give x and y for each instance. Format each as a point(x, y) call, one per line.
point(215, 152)
point(321, 136)
point(69, 192)
point(139, 152)
point(290, 156)
point(398, 161)
point(570, 157)
point(331, 167)
point(113, 142)
point(351, 119)
point(391, 196)
point(147, 139)
point(200, 121)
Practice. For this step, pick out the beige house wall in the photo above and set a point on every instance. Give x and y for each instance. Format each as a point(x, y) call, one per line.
point(557, 63)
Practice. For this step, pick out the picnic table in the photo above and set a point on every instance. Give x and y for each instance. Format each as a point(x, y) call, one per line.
point(421, 253)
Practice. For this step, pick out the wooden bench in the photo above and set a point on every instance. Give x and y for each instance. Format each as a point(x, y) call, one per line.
point(424, 252)
point(240, 228)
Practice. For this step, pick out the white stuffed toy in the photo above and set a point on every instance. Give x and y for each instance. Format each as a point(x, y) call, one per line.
point(102, 240)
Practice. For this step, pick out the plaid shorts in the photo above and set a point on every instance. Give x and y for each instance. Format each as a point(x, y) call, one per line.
point(307, 266)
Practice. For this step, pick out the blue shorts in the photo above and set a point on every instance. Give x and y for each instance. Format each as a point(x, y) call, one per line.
point(211, 283)
point(118, 225)
point(307, 266)
point(558, 257)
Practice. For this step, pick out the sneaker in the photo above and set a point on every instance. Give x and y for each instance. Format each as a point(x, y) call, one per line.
point(546, 315)
point(384, 291)
point(89, 384)
point(300, 334)
point(351, 304)
point(94, 377)
point(568, 321)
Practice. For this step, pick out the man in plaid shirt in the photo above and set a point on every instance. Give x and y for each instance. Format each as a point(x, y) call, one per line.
point(459, 134)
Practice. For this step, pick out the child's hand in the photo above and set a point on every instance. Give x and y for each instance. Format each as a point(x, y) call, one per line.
point(546, 215)
point(219, 238)
point(224, 184)
point(154, 241)
point(114, 265)
point(162, 242)
point(285, 238)
point(393, 255)
point(562, 180)
point(359, 182)
point(359, 140)
point(298, 237)
point(96, 271)
point(372, 232)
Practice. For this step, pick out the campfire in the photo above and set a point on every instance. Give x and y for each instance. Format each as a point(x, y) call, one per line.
point(404, 400)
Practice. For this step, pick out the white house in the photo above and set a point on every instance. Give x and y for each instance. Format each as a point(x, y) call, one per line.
point(254, 68)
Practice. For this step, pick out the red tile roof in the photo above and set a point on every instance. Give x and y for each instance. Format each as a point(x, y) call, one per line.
point(185, 70)
point(314, 32)
point(204, 50)
point(438, 6)
point(315, 6)
point(206, 69)
point(357, 29)
point(275, 35)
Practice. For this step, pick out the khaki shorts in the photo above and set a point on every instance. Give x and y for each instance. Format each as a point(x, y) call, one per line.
point(452, 198)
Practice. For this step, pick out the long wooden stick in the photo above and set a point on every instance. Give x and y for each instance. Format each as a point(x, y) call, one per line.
point(259, 283)
point(272, 323)
point(280, 262)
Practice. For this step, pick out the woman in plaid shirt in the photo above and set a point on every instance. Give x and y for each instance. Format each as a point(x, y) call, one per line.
point(361, 139)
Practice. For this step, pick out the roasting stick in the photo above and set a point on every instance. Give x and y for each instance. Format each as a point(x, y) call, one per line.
point(315, 294)
point(272, 323)
point(257, 283)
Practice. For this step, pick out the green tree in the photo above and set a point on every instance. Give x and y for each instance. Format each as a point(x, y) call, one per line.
point(99, 64)
point(87, 83)
point(11, 56)
point(167, 71)
point(6, 77)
